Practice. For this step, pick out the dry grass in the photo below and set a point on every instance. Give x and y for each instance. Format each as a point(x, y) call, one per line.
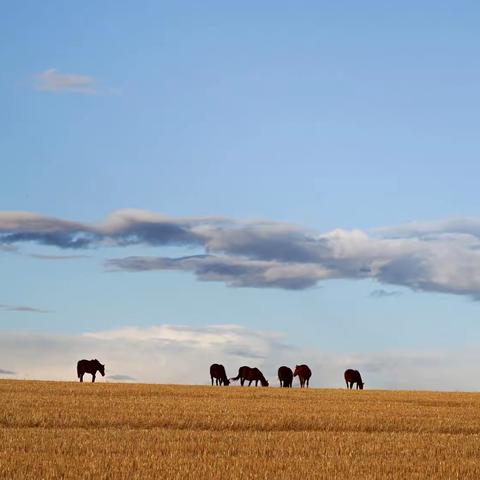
point(72, 430)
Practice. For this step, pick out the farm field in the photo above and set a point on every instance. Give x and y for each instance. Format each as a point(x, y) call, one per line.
point(118, 431)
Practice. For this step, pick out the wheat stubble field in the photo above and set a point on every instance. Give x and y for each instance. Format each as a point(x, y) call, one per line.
point(72, 430)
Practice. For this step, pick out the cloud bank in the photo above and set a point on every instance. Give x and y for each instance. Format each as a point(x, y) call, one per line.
point(180, 354)
point(441, 256)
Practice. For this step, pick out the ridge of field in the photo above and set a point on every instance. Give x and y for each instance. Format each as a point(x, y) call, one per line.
point(53, 430)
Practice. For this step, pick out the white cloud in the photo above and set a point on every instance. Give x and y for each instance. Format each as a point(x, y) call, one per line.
point(52, 80)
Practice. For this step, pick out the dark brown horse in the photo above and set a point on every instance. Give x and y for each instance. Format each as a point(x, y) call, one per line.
point(252, 375)
point(353, 376)
point(285, 375)
point(89, 366)
point(217, 372)
point(304, 373)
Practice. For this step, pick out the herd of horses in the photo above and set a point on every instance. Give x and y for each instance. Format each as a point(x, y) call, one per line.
point(285, 376)
point(245, 374)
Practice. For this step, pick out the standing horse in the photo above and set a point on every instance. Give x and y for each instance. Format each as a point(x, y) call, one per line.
point(89, 366)
point(285, 376)
point(353, 376)
point(252, 375)
point(217, 372)
point(304, 373)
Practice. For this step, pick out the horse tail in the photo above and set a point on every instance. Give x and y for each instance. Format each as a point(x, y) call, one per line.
point(79, 373)
point(237, 377)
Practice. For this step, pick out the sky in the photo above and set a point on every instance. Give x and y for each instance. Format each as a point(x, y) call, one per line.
point(261, 184)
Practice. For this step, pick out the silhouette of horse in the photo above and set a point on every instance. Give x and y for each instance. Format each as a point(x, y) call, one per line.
point(89, 366)
point(304, 373)
point(252, 375)
point(353, 376)
point(285, 375)
point(217, 372)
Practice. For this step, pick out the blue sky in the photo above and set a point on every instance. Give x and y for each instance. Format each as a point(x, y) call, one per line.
point(322, 115)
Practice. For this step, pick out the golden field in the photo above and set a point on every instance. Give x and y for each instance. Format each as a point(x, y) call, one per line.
point(136, 431)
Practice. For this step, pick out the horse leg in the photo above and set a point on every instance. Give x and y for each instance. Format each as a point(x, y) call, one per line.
point(81, 377)
point(250, 382)
point(346, 381)
point(242, 381)
point(93, 378)
point(308, 380)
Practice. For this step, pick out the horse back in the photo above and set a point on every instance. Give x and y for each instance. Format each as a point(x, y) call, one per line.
point(246, 372)
point(86, 366)
point(285, 374)
point(352, 376)
point(218, 371)
point(304, 371)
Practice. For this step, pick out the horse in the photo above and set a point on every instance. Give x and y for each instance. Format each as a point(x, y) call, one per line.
point(89, 366)
point(304, 373)
point(250, 374)
point(217, 372)
point(285, 376)
point(353, 376)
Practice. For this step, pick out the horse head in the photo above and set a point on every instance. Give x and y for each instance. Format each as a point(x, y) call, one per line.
point(100, 367)
point(264, 383)
point(297, 371)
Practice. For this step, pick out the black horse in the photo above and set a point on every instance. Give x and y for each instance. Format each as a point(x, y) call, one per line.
point(250, 375)
point(218, 373)
point(89, 366)
point(285, 376)
point(353, 376)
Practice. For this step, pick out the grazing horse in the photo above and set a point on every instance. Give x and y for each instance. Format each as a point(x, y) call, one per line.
point(285, 375)
point(304, 373)
point(89, 366)
point(252, 375)
point(217, 372)
point(353, 376)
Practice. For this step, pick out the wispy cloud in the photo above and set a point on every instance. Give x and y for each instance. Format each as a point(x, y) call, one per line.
point(380, 293)
point(9, 248)
point(39, 256)
point(22, 308)
point(434, 257)
point(6, 372)
point(52, 80)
